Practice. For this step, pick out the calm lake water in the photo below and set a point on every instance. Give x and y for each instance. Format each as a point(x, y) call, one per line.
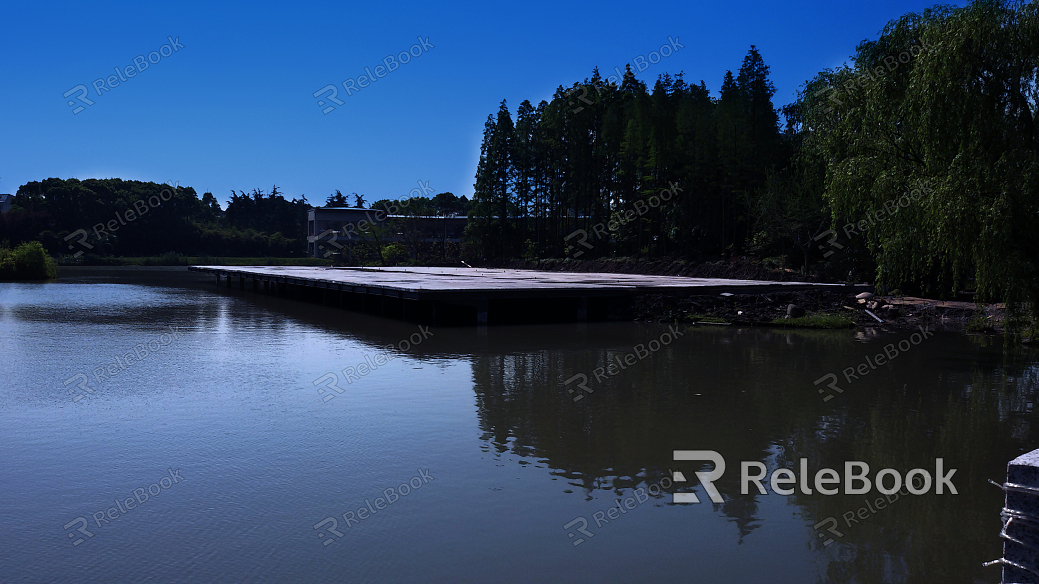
point(227, 425)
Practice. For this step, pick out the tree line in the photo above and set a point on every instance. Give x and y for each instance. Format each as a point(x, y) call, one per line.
point(440, 205)
point(599, 151)
point(101, 217)
point(114, 217)
point(916, 166)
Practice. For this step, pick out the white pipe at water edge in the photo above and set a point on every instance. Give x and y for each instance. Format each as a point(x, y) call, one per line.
point(875, 316)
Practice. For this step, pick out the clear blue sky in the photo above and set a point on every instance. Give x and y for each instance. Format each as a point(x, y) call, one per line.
point(234, 107)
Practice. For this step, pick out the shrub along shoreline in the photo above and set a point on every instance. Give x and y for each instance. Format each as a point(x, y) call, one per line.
point(28, 261)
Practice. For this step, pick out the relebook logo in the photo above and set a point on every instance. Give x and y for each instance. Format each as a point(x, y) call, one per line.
point(826, 481)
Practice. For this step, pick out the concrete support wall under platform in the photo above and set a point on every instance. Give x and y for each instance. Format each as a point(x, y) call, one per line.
point(484, 296)
point(1021, 521)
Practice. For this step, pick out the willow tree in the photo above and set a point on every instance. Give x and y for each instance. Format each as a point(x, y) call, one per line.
point(932, 151)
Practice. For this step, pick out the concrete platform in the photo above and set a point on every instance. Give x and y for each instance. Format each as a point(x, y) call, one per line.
point(579, 296)
point(1021, 521)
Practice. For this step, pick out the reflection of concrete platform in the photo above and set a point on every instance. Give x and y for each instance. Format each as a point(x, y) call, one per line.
point(582, 295)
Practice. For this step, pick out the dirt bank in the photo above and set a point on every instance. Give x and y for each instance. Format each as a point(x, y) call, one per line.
point(763, 309)
point(760, 309)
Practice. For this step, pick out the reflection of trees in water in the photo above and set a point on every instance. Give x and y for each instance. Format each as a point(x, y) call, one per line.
point(976, 421)
point(748, 394)
point(622, 435)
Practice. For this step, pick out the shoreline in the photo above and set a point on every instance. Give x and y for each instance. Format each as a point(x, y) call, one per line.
point(893, 312)
point(759, 309)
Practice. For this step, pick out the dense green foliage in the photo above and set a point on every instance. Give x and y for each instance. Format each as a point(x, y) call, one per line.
point(102, 217)
point(916, 166)
point(937, 121)
point(28, 261)
point(96, 221)
point(440, 205)
point(604, 151)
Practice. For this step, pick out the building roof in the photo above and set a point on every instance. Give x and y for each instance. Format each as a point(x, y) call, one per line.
point(363, 210)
